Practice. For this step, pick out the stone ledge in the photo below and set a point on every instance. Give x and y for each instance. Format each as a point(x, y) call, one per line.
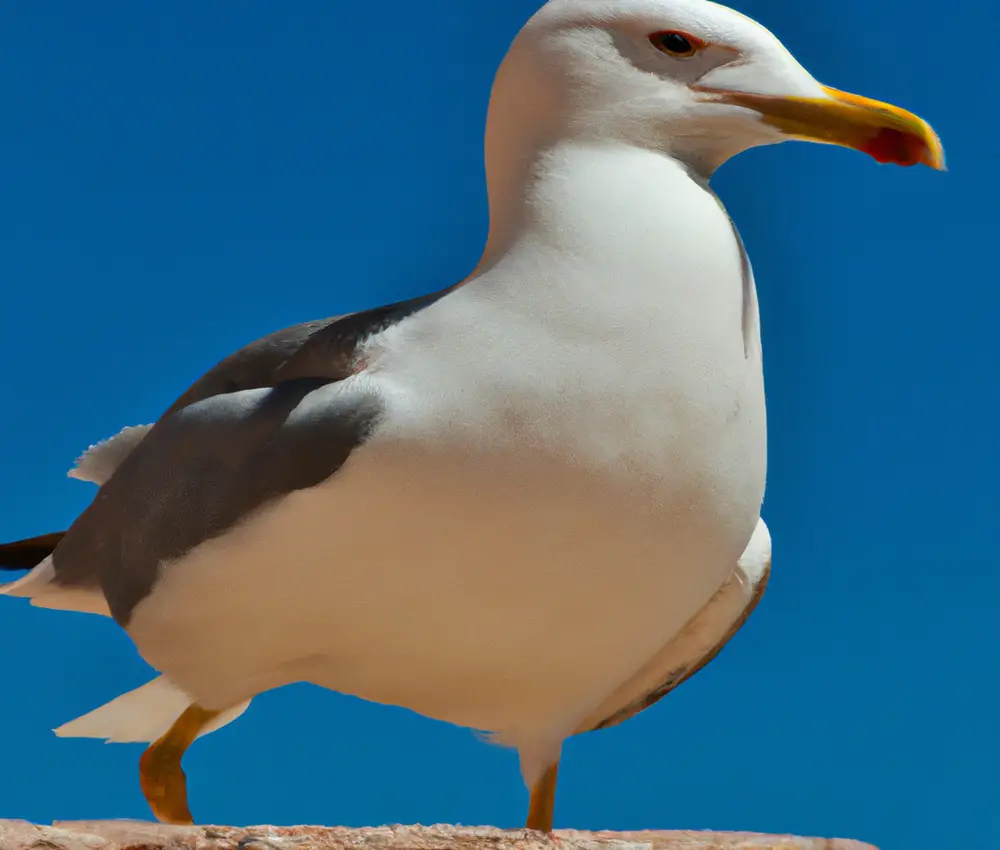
point(143, 835)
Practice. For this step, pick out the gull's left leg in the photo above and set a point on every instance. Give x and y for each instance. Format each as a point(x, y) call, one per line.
point(160, 775)
point(543, 800)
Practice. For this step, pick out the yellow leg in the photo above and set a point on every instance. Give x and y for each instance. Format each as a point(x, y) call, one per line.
point(543, 801)
point(160, 775)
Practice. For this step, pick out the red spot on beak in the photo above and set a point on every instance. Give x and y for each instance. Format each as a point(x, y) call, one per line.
point(897, 147)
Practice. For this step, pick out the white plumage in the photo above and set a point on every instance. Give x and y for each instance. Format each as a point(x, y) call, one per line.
point(556, 512)
point(574, 442)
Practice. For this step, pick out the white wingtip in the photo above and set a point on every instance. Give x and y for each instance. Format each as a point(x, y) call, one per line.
point(141, 716)
point(756, 559)
point(38, 581)
point(44, 591)
point(100, 461)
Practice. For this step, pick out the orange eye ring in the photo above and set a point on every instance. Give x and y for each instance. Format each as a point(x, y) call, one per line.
point(680, 45)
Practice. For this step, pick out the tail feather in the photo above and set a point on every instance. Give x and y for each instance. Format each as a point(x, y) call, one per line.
point(42, 587)
point(141, 716)
point(26, 554)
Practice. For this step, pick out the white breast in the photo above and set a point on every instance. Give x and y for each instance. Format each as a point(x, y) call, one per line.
point(571, 463)
point(501, 593)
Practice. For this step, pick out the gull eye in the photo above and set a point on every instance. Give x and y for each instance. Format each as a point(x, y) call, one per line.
point(678, 44)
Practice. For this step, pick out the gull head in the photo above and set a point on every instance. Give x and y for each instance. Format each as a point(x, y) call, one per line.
point(692, 78)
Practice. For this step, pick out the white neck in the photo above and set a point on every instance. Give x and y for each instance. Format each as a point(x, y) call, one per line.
point(607, 314)
point(620, 231)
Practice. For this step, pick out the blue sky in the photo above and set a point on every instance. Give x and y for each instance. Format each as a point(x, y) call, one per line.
point(179, 179)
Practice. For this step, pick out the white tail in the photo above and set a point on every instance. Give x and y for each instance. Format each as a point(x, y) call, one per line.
point(142, 715)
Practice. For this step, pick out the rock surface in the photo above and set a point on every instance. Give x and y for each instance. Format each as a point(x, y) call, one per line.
point(141, 835)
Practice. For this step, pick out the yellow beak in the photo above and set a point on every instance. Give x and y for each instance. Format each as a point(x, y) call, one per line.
point(884, 131)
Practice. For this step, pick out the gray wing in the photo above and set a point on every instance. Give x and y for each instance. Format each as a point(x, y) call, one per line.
point(255, 365)
point(326, 348)
point(322, 349)
point(200, 471)
point(680, 675)
point(260, 364)
point(263, 422)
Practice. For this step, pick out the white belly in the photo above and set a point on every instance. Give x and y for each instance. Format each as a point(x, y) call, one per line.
point(504, 593)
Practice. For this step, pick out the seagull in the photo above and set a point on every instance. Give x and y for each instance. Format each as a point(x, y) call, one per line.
point(527, 503)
